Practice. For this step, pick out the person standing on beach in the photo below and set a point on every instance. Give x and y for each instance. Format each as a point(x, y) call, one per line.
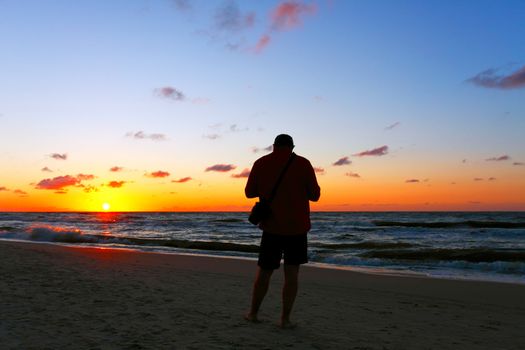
point(284, 232)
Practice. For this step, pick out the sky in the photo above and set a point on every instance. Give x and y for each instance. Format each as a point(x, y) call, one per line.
point(164, 105)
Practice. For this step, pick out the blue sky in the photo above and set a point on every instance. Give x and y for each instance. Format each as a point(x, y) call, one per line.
point(83, 77)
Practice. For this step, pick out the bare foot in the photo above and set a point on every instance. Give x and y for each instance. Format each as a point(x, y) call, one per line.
point(251, 318)
point(287, 324)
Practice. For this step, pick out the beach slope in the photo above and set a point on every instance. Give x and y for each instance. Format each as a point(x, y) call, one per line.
point(58, 297)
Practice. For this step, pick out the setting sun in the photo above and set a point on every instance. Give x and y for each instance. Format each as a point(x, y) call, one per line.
point(105, 206)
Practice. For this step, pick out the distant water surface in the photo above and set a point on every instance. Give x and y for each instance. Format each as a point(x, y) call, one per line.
point(464, 245)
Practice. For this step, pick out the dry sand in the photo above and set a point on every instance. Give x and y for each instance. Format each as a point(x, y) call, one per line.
point(56, 297)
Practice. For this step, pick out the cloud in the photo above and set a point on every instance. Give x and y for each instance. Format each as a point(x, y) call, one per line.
point(351, 174)
point(46, 169)
point(20, 192)
point(171, 93)
point(82, 177)
point(235, 128)
point(491, 79)
point(3, 188)
point(262, 43)
point(478, 179)
point(58, 183)
point(380, 151)
point(182, 180)
point(243, 174)
point(518, 163)
point(412, 180)
point(157, 174)
point(498, 159)
point(141, 135)
point(288, 14)
point(223, 168)
point(182, 5)
point(212, 136)
point(116, 169)
point(319, 170)
point(265, 149)
point(492, 179)
point(392, 126)
point(342, 161)
point(228, 17)
point(88, 188)
point(116, 184)
point(58, 156)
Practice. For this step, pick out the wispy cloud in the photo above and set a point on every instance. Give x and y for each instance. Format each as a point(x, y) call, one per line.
point(228, 17)
point(157, 174)
point(58, 156)
point(3, 188)
point(478, 179)
point(223, 168)
point(265, 149)
point(392, 126)
point(212, 136)
point(82, 177)
point(289, 14)
point(380, 151)
point(412, 181)
point(518, 163)
point(351, 174)
point(262, 43)
point(182, 180)
point(116, 169)
point(498, 159)
point(243, 174)
point(141, 135)
point(46, 170)
point(490, 78)
point(342, 161)
point(183, 5)
point(492, 179)
point(319, 170)
point(170, 93)
point(116, 184)
point(20, 192)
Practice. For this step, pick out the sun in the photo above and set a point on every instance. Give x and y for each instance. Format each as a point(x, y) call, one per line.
point(106, 206)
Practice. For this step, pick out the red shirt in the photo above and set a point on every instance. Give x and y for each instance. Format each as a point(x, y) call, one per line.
point(290, 206)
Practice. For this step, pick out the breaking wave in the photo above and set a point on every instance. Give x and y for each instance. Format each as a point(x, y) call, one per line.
point(444, 224)
point(476, 255)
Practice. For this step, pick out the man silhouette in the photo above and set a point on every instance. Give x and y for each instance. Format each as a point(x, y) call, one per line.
point(284, 232)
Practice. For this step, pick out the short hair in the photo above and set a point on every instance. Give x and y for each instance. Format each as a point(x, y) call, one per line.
point(283, 140)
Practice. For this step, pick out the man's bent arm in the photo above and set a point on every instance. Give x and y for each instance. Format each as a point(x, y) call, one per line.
point(251, 186)
point(313, 189)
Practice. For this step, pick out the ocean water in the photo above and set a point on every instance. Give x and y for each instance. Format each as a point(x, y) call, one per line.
point(460, 245)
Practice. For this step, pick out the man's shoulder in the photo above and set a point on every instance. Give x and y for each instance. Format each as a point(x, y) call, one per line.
point(302, 160)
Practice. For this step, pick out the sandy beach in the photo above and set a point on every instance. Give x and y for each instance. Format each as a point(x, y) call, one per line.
point(57, 297)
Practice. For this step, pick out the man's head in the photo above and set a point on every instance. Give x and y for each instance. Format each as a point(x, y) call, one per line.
point(283, 141)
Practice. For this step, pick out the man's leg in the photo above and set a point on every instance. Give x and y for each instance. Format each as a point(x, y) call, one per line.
point(291, 276)
point(260, 287)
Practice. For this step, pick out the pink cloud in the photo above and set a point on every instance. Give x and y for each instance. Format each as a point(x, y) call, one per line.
point(351, 174)
point(222, 168)
point(319, 170)
point(412, 180)
point(498, 159)
point(342, 161)
point(82, 177)
point(116, 184)
point(288, 14)
point(58, 156)
point(380, 151)
point(171, 93)
point(157, 174)
point(116, 169)
point(263, 42)
point(182, 180)
point(490, 79)
point(57, 183)
point(243, 174)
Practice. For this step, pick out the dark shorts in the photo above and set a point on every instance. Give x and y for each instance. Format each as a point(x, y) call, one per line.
point(294, 248)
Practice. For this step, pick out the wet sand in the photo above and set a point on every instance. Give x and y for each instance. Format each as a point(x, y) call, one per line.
point(57, 297)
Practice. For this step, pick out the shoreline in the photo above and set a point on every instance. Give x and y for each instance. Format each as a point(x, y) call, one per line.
point(357, 269)
point(84, 297)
